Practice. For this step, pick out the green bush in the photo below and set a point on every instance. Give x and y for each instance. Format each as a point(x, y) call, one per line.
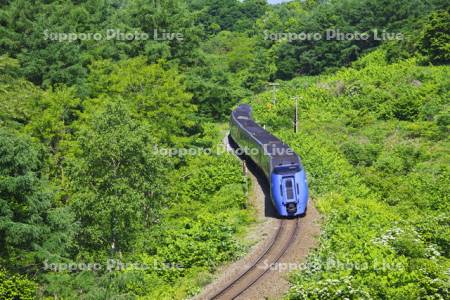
point(16, 287)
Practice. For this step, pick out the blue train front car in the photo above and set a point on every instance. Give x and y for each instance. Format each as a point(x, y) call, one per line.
point(289, 190)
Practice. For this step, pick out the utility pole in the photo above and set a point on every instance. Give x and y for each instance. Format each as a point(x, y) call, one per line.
point(296, 115)
point(244, 168)
point(244, 171)
point(274, 89)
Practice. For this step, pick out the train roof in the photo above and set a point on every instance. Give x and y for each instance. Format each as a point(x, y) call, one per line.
point(280, 153)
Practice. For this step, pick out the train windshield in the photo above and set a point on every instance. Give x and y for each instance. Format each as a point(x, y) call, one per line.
point(289, 189)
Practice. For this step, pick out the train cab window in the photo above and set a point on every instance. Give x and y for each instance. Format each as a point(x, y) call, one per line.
point(289, 189)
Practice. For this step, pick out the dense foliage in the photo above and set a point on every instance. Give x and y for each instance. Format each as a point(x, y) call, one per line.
point(381, 180)
point(86, 182)
point(87, 122)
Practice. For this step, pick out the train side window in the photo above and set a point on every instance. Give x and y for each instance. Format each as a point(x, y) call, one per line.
point(298, 189)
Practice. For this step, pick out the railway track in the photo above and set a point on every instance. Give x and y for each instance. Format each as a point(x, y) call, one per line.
point(279, 245)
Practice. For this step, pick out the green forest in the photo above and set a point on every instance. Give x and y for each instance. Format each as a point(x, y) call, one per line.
point(93, 91)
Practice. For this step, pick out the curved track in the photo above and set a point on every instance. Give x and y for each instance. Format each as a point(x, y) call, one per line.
point(284, 237)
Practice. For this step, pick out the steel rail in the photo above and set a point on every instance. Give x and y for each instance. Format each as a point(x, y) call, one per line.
point(280, 255)
point(253, 266)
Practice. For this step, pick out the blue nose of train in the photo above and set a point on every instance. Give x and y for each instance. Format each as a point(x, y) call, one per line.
point(290, 193)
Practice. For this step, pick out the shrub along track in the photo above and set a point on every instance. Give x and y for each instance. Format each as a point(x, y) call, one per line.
point(277, 241)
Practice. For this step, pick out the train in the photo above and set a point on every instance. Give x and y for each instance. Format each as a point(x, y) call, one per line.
point(281, 166)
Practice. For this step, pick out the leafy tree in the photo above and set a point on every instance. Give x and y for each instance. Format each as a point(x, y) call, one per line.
point(155, 93)
point(57, 108)
point(16, 287)
point(163, 16)
point(232, 65)
point(215, 89)
point(17, 96)
point(32, 229)
point(233, 15)
point(116, 180)
point(435, 40)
